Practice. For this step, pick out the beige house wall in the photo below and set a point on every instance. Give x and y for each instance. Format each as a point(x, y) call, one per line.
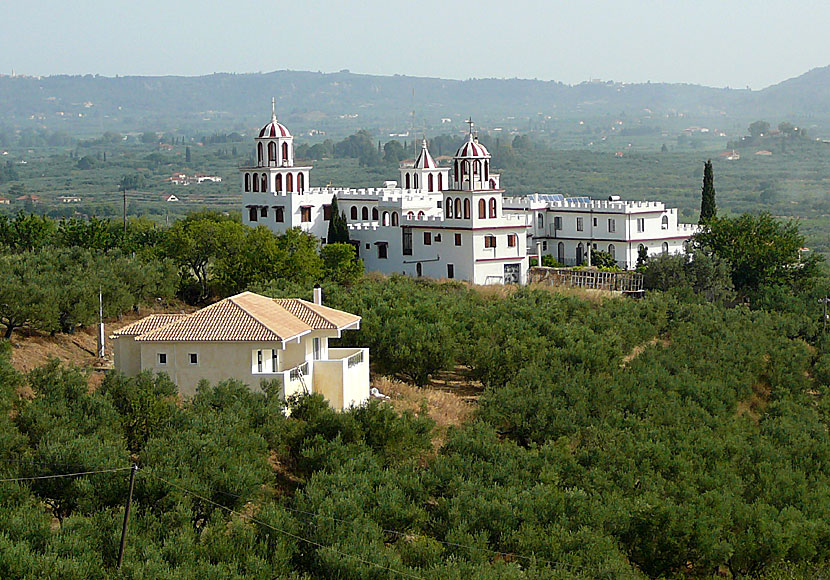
point(127, 355)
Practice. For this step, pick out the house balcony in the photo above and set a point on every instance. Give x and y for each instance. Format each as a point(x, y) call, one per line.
point(343, 379)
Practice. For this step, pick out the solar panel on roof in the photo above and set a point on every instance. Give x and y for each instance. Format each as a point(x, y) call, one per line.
point(581, 199)
point(552, 197)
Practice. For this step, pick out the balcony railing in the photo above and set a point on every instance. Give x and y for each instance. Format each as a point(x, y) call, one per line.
point(298, 371)
point(355, 359)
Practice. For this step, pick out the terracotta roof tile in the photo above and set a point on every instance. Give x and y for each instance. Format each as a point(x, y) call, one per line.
point(148, 324)
point(248, 317)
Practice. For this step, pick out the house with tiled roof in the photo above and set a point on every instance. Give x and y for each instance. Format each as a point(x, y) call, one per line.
point(253, 339)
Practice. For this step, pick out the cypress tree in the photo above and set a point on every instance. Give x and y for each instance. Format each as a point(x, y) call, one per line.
point(708, 208)
point(338, 230)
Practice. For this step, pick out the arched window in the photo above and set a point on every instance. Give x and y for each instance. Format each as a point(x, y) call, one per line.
point(492, 207)
point(364, 214)
point(421, 215)
point(374, 213)
point(492, 184)
point(612, 250)
point(448, 208)
point(465, 168)
point(486, 170)
point(285, 152)
point(406, 181)
point(278, 183)
point(541, 221)
point(252, 214)
point(665, 247)
point(457, 175)
point(256, 182)
point(458, 207)
point(247, 182)
point(414, 181)
point(664, 223)
point(466, 209)
point(430, 182)
point(289, 182)
point(482, 209)
point(410, 215)
point(440, 182)
point(560, 252)
point(385, 218)
point(476, 168)
point(579, 254)
point(263, 186)
point(394, 218)
point(300, 182)
point(272, 153)
point(259, 153)
point(640, 249)
point(354, 212)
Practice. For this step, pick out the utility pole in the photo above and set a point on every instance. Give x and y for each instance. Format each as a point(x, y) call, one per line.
point(125, 210)
point(100, 324)
point(126, 517)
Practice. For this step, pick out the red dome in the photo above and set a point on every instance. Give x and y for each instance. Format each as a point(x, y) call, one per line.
point(472, 148)
point(274, 129)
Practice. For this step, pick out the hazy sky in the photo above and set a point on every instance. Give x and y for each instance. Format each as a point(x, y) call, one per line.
point(735, 43)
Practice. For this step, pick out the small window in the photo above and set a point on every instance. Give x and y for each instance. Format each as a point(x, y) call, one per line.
point(252, 214)
point(665, 247)
point(383, 251)
point(194, 358)
point(612, 225)
point(641, 225)
point(511, 240)
point(322, 241)
point(457, 239)
point(544, 246)
point(327, 212)
point(489, 241)
point(305, 214)
point(450, 271)
point(541, 220)
point(279, 214)
point(364, 214)
point(557, 223)
point(580, 225)
point(406, 241)
point(664, 223)
point(259, 361)
point(354, 212)
point(368, 246)
point(162, 358)
point(437, 238)
point(594, 222)
point(263, 212)
point(427, 238)
point(274, 365)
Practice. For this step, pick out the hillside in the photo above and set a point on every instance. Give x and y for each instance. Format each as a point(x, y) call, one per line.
point(340, 102)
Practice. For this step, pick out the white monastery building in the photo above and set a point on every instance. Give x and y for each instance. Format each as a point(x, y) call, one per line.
point(251, 338)
point(450, 222)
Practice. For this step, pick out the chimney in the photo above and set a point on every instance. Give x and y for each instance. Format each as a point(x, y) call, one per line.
point(318, 294)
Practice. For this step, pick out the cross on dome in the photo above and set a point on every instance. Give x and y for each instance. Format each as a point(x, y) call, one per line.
point(273, 109)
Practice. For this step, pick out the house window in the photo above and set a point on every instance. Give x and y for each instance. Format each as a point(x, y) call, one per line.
point(612, 225)
point(274, 365)
point(259, 361)
point(364, 214)
point(482, 209)
point(354, 212)
point(394, 218)
point(427, 238)
point(327, 212)
point(374, 213)
point(466, 209)
point(641, 225)
point(594, 222)
point(316, 348)
point(193, 358)
point(450, 271)
point(437, 238)
point(541, 221)
point(511, 240)
point(489, 241)
point(457, 239)
point(383, 251)
point(612, 250)
point(279, 214)
point(492, 207)
point(305, 214)
point(544, 246)
point(162, 358)
point(580, 224)
point(665, 247)
point(252, 214)
point(664, 223)
point(557, 223)
point(263, 212)
point(407, 241)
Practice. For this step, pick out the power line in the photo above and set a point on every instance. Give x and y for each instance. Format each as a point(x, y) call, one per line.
point(295, 536)
point(57, 475)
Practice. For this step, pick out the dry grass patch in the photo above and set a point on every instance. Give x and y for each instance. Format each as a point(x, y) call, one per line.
point(445, 408)
point(640, 349)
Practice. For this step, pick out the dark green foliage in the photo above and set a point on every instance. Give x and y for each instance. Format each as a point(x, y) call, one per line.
point(692, 274)
point(338, 232)
point(708, 207)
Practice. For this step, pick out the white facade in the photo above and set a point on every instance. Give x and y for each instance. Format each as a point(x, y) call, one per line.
point(564, 228)
point(457, 224)
point(409, 230)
